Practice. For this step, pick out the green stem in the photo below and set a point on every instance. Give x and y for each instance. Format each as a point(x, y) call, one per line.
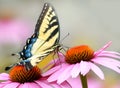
point(83, 81)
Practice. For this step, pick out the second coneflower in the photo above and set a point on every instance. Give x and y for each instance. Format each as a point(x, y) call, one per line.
point(80, 60)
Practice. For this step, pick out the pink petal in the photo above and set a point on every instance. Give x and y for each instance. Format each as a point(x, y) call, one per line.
point(52, 70)
point(107, 64)
point(66, 85)
point(29, 85)
point(84, 67)
point(111, 52)
point(55, 75)
point(4, 76)
point(111, 61)
point(65, 74)
point(109, 55)
point(2, 84)
point(96, 70)
point(75, 71)
point(60, 59)
point(103, 48)
point(12, 85)
point(43, 84)
point(61, 56)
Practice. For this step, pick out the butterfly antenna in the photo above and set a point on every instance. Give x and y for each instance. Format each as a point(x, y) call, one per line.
point(12, 65)
point(63, 46)
point(65, 37)
point(9, 67)
point(15, 54)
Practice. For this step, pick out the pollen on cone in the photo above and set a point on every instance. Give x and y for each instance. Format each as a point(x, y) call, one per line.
point(78, 53)
point(20, 74)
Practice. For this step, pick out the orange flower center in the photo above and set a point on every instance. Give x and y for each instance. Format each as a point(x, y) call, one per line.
point(78, 53)
point(20, 74)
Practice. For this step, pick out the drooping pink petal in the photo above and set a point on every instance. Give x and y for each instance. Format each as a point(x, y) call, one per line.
point(54, 76)
point(109, 55)
point(84, 67)
point(12, 85)
point(107, 64)
point(103, 48)
point(75, 71)
point(29, 85)
point(4, 76)
point(111, 52)
point(65, 74)
point(43, 84)
point(96, 70)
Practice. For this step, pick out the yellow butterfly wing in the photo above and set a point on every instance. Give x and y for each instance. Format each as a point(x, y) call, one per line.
point(48, 34)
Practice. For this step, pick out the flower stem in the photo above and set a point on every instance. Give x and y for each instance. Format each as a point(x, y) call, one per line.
point(83, 81)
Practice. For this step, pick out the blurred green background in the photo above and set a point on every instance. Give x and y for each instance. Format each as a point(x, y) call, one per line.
point(91, 22)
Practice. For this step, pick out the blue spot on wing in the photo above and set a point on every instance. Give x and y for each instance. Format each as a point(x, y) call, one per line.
point(26, 52)
point(33, 40)
point(27, 55)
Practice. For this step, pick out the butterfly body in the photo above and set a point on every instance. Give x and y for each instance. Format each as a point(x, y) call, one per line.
point(44, 40)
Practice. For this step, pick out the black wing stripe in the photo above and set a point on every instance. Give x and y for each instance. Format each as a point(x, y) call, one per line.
point(52, 23)
point(49, 48)
point(53, 19)
point(50, 38)
point(41, 17)
point(52, 34)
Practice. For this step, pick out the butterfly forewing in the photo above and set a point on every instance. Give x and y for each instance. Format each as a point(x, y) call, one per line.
point(48, 31)
point(46, 36)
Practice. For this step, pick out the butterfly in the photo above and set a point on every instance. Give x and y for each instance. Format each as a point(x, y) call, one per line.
point(44, 40)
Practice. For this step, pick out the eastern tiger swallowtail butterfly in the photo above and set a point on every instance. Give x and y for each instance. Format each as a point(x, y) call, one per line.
point(44, 40)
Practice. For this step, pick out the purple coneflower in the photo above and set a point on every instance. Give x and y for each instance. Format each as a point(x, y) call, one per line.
point(80, 60)
point(20, 78)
